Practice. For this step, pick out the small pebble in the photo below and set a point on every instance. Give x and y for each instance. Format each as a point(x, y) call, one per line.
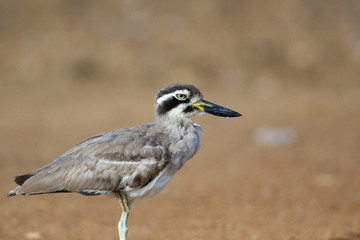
point(275, 136)
point(32, 235)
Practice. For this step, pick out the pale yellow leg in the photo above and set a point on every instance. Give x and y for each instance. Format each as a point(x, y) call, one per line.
point(123, 223)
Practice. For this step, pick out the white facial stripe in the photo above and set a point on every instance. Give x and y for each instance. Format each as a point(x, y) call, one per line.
point(164, 98)
point(184, 91)
point(169, 95)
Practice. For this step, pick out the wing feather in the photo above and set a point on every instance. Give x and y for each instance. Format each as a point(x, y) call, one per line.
point(125, 158)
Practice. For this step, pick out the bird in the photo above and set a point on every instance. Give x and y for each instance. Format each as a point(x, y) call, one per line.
point(129, 163)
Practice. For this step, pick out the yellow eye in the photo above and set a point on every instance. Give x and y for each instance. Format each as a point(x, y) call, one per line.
point(181, 96)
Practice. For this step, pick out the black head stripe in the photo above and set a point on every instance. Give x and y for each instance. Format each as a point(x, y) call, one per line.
point(169, 104)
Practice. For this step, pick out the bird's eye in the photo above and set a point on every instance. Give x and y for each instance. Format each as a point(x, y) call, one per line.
point(181, 96)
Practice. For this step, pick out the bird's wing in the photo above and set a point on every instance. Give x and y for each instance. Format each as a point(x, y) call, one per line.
point(126, 158)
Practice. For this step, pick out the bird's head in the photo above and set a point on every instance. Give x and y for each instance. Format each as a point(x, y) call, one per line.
point(179, 101)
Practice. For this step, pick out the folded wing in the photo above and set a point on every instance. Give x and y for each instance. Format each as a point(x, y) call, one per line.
point(125, 159)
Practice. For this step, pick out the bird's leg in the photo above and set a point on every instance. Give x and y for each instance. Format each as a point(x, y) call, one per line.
point(123, 201)
point(123, 223)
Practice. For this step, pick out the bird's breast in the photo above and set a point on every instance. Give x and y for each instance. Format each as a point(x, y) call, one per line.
point(184, 149)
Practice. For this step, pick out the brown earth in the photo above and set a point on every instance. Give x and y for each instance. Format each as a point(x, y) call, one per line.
point(72, 69)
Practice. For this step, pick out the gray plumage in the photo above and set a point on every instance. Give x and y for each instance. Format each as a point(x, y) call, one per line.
point(138, 161)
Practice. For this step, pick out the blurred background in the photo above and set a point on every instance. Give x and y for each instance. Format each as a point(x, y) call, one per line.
point(288, 169)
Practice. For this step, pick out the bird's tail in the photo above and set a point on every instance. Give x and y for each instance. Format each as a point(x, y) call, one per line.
point(19, 180)
point(13, 192)
point(43, 180)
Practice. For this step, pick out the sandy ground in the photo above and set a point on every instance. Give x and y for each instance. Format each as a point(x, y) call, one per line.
point(72, 69)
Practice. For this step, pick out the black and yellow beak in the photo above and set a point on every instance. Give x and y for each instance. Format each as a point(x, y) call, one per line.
point(208, 107)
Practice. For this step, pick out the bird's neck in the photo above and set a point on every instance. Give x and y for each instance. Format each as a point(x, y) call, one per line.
point(178, 124)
